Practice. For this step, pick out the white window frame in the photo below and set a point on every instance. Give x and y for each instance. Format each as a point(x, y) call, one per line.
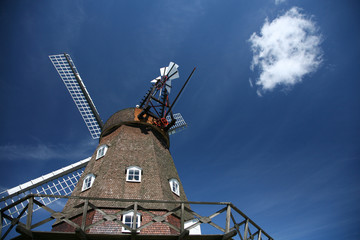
point(88, 182)
point(101, 151)
point(175, 186)
point(130, 177)
point(126, 216)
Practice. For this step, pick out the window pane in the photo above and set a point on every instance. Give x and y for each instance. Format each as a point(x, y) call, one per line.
point(133, 174)
point(128, 220)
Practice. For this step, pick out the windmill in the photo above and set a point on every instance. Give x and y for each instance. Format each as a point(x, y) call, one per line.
point(130, 185)
point(64, 180)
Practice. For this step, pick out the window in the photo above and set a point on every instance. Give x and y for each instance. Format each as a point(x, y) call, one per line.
point(101, 151)
point(133, 174)
point(128, 219)
point(88, 181)
point(175, 186)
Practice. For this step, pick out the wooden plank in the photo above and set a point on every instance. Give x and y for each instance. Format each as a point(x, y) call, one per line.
point(227, 224)
point(182, 218)
point(134, 225)
point(184, 234)
point(29, 213)
point(229, 235)
point(236, 226)
point(85, 209)
point(73, 236)
point(246, 229)
point(21, 228)
point(41, 222)
point(81, 234)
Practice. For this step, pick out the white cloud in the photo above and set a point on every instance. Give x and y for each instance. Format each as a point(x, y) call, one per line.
point(286, 50)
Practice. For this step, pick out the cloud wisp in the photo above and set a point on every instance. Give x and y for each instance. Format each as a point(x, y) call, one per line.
point(286, 50)
point(43, 152)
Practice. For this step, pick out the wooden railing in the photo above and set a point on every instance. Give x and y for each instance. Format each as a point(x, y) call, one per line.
point(228, 221)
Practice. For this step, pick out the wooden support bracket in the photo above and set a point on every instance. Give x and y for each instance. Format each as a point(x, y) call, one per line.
point(80, 234)
point(229, 234)
point(24, 232)
point(184, 234)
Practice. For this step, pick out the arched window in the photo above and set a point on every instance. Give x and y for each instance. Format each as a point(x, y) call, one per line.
point(128, 219)
point(88, 181)
point(175, 186)
point(133, 174)
point(101, 151)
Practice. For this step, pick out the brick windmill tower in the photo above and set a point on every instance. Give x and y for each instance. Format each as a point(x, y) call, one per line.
point(132, 161)
point(130, 188)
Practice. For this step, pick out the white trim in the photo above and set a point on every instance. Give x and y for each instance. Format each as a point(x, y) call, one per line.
point(194, 230)
point(126, 219)
point(101, 151)
point(175, 186)
point(132, 173)
point(88, 182)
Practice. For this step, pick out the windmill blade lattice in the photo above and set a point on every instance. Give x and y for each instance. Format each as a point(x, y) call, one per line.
point(179, 125)
point(60, 182)
point(73, 82)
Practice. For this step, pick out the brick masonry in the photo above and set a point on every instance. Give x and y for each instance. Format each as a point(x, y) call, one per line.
point(130, 143)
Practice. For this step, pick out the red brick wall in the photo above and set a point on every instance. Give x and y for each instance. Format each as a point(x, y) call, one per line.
point(154, 229)
point(110, 227)
point(65, 227)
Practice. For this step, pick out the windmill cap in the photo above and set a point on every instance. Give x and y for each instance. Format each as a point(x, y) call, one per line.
point(129, 117)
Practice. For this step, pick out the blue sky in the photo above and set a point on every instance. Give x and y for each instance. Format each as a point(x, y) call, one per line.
point(273, 108)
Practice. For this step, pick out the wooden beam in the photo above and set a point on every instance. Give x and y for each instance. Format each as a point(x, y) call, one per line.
point(259, 235)
point(228, 216)
point(20, 228)
point(246, 229)
point(184, 234)
point(182, 217)
point(85, 209)
point(80, 234)
point(229, 235)
point(29, 213)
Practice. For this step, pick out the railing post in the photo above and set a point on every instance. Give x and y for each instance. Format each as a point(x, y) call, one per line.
point(182, 218)
point(29, 213)
point(83, 220)
point(135, 217)
point(228, 217)
point(246, 229)
point(259, 235)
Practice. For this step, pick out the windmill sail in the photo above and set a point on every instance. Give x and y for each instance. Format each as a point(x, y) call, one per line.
point(73, 82)
point(180, 123)
point(60, 182)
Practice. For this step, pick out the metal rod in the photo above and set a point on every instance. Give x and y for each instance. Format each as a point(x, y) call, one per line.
point(180, 92)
